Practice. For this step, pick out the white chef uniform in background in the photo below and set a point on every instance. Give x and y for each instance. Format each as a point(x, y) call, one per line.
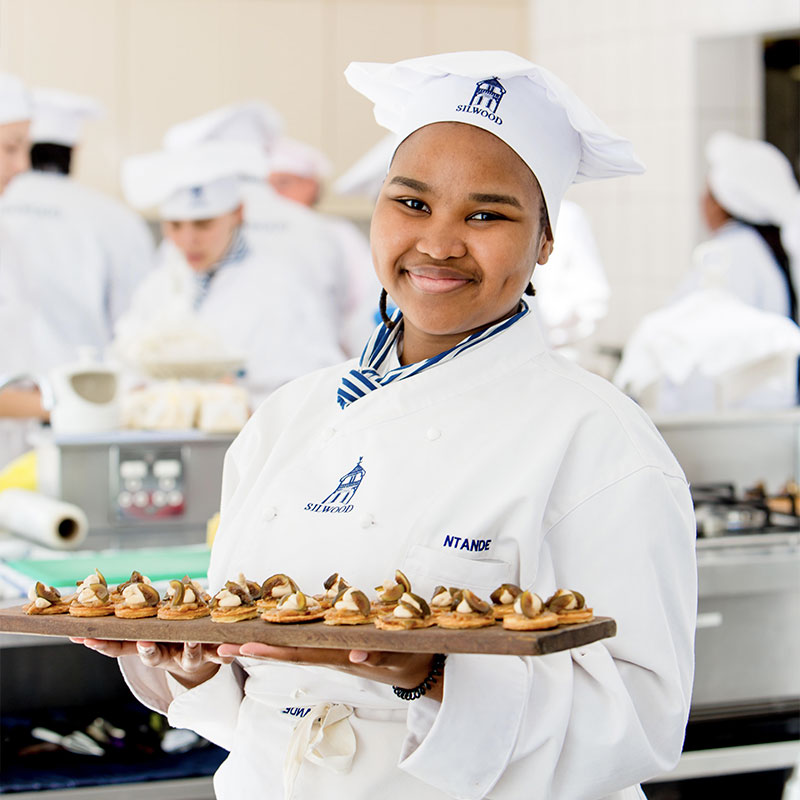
point(670, 370)
point(286, 233)
point(78, 253)
point(249, 308)
point(753, 182)
point(557, 478)
point(298, 172)
point(572, 291)
point(15, 118)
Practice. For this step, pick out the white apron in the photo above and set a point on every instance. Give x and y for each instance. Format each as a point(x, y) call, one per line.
point(505, 464)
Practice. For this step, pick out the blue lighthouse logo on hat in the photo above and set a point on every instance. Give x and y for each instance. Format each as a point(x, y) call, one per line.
point(197, 195)
point(485, 100)
point(340, 499)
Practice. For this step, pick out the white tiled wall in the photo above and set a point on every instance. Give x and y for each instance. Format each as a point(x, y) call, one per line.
point(665, 73)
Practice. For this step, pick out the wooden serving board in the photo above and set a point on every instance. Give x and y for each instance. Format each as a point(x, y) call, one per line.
point(493, 639)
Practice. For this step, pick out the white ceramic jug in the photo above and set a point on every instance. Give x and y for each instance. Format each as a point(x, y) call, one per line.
point(86, 396)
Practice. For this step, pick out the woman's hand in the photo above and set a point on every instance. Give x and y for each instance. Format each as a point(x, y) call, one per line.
point(406, 670)
point(190, 663)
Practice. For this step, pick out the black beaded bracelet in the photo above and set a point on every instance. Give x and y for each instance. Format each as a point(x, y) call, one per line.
point(437, 669)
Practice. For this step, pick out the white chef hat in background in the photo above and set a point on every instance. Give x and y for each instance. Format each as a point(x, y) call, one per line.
point(366, 176)
point(254, 123)
point(523, 104)
point(15, 100)
point(751, 179)
point(58, 116)
point(198, 182)
point(299, 158)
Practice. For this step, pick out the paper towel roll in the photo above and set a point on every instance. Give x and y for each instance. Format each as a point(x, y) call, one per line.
point(42, 519)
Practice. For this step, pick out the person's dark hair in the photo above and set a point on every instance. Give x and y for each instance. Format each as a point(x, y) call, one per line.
point(772, 237)
point(46, 157)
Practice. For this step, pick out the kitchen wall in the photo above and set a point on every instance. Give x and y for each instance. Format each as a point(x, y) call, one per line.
point(156, 62)
point(665, 73)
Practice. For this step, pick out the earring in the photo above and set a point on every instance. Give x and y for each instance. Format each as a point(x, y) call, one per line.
point(382, 308)
point(529, 290)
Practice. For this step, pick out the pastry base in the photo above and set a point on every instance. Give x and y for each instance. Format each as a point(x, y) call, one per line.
point(455, 620)
point(234, 615)
point(389, 622)
point(91, 611)
point(574, 617)
point(519, 622)
point(134, 612)
point(189, 611)
point(334, 617)
point(502, 610)
point(276, 615)
point(265, 605)
point(55, 608)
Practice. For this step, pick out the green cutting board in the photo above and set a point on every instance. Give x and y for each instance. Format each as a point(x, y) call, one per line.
point(158, 564)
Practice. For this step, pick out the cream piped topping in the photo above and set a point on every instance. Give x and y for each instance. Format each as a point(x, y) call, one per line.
point(292, 603)
point(88, 581)
point(40, 602)
point(346, 603)
point(86, 597)
point(464, 607)
point(400, 611)
point(226, 599)
point(281, 590)
point(132, 595)
point(506, 597)
point(442, 599)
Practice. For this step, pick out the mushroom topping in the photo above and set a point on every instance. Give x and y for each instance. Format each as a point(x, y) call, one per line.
point(251, 587)
point(278, 586)
point(334, 585)
point(471, 603)
point(93, 594)
point(529, 604)
point(350, 599)
point(565, 600)
point(412, 606)
point(505, 594)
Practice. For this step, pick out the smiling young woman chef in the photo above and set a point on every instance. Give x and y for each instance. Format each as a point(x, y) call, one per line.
point(465, 429)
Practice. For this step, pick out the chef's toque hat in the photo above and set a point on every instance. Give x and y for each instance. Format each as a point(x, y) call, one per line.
point(298, 158)
point(58, 116)
point(366, 176)
point(199, 182)
point(523, 104)
point(253, 123)
point(15, 101)
point(751, 180)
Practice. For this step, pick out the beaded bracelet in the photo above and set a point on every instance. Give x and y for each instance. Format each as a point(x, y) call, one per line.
point(437, 669)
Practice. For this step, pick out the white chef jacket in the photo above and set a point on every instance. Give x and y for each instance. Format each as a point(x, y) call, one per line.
point(78, 255)
point(257, 313)
point(507, 463)
point(736, 258)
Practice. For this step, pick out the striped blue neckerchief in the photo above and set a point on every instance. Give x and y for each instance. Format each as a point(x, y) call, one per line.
point(368, 376)
point(236, 252)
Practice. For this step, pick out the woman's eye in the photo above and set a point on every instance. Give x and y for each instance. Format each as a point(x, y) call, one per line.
point(486, 216)
point(412, 203)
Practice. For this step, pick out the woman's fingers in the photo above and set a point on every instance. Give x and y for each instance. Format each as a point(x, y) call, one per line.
point(112, 649)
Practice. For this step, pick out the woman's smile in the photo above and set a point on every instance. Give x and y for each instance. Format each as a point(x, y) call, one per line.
point(436, 280)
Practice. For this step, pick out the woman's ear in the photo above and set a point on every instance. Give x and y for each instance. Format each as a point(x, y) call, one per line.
point(545, 249)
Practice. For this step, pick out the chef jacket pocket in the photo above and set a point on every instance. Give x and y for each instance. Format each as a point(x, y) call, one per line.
point(426, 568)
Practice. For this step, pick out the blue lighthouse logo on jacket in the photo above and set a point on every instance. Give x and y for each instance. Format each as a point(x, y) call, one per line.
point(339, 501)
point(485, 100)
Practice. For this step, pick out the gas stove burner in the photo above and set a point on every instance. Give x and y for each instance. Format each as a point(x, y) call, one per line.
point(719, 512)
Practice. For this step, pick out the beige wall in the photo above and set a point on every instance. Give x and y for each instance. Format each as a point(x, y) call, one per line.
point(156, 62)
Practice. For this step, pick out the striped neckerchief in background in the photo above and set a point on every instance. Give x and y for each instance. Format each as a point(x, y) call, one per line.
point(237, 250)
point(369, 374)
